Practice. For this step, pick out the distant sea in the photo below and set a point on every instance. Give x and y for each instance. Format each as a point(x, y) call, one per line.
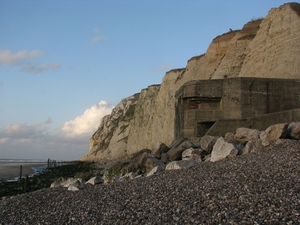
point(10, 168)
point(23, 160)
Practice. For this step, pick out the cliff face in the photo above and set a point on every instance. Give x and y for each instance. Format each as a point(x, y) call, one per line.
point(275, 51)
point(267, 48)
point(110, 140)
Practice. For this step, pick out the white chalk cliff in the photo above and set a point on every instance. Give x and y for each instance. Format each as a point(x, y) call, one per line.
point(268, 47)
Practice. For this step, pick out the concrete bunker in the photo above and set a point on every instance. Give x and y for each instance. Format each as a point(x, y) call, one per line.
point(215, 107)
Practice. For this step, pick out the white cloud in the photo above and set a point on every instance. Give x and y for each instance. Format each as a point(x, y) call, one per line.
point(88, 122)
point(20, 58)
point(39, 68)
point(163, 68)
point(23, 131)
point(36, 141)
point(8, 58)
point(39, 141)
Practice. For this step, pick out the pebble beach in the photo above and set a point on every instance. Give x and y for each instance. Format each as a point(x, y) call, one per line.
point(258, 188)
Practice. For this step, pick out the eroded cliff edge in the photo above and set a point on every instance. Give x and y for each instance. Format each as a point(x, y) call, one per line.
point(268, 48)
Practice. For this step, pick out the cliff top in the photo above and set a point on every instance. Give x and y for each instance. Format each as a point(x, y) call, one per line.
point(294, 6)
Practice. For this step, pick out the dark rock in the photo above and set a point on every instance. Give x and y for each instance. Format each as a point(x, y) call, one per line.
point(159, 149)
point(150, 163)
point(175, 152)
point(293, 130)
point(230, 137)
point(252, 146)
point(207, 143)
point(164, 158)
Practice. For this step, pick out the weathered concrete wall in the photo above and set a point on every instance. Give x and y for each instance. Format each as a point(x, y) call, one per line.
point(261, 96)
point(200, 104)
point(258, 122)
point(264, 121)
point(222, 126)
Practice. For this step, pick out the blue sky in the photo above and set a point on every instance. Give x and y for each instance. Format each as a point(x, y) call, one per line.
point(65, 64)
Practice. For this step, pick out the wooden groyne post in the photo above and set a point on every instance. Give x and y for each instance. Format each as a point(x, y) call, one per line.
point(48, 164)
point(26, 182)
point(20, 171)
point(51, 163)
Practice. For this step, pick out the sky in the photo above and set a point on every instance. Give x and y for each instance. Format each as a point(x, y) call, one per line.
point(65, 64)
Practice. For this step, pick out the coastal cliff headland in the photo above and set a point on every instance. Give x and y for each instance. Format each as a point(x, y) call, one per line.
point(263, 48)
point(217, 142)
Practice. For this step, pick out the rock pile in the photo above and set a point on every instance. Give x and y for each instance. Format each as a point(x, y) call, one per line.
point(187, 153)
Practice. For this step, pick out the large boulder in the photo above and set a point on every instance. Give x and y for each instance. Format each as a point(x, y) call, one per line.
point(119, 168)
point(140, 163)
point(273, 133)
point(136, 156)
point(164, 158)
point(155, 170)
point(230, 137)
point(222, 150)
point(75, 182)
point(159, 149)
point(108, 178)
point(95, 180)
point(239, 147)
point(252, 146)
point(73, 188)
point(176, 151)
point(182, 164)
point(128, 176)
point(150, 163)
point(192, 154)
point(131, 167)
point(207, 158)
point(243, 134)
point(207, 143)
point(293, 130)
point(58, 182)
point(146, 162)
